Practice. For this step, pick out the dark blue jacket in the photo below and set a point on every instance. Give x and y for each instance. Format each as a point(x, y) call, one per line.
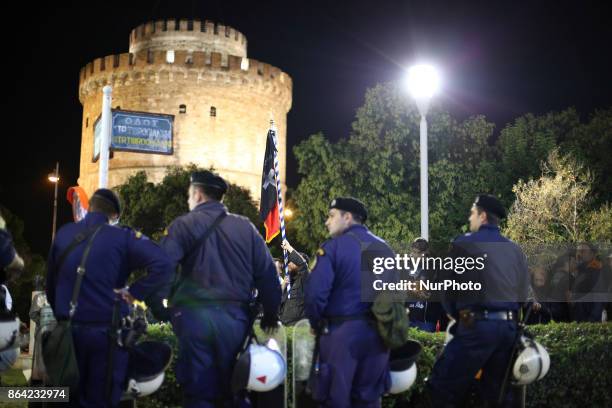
point(334, 287)
point(115, 253)
point(7, 251)
point(232, 262)
point(505, 277)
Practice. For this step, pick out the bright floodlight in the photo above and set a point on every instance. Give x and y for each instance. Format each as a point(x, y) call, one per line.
point(423, 81)
point(53, 178)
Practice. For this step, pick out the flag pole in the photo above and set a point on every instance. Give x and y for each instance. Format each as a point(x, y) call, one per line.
point(279, 195)
point(105, 137)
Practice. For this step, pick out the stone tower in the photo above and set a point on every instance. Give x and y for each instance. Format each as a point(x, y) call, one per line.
point(199, 72)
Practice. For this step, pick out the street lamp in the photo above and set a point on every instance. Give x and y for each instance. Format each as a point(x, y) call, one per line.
point(423, 82)
point(288, 213)
point(54, 178)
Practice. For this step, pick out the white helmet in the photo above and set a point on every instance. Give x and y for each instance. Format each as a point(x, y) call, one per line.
point(136, 389)
point(532, 362)
point(9, 333)
point(260, 368)
point(402, 380)
point(403, 367)
point(147, 362)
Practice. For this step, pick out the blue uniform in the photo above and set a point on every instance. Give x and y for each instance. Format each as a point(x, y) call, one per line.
point(115, 252)
point(210, 311)
point(353, 360)
point(487, 343)
point(7, 251)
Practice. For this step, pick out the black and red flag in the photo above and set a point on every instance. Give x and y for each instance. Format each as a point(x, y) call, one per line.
point(268, 205)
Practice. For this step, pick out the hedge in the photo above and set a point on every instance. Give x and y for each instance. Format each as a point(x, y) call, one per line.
point(580, 373)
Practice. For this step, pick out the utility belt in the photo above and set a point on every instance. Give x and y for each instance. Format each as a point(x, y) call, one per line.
point(199, 303)
point(106, 325)
point(467, 317)
point(327, 320)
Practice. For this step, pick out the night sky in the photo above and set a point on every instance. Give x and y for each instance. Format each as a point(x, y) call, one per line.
point(500, 59)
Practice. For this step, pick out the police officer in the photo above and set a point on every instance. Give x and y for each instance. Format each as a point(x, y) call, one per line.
point(487, 322)
point(9, 258)
point(353, 361)
point(222, 258)
point(114, 253)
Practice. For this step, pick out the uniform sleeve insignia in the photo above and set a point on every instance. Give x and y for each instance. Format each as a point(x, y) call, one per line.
point(313, 263)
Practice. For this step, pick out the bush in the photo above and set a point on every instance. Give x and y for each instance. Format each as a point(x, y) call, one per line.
point(580, 375)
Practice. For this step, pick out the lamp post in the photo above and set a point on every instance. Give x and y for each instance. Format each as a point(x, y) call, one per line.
point(54, 178)
point(423, 82)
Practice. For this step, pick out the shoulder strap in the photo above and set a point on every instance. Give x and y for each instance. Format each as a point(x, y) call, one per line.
point(81, 272)
point(208, 232)
point(80, 237)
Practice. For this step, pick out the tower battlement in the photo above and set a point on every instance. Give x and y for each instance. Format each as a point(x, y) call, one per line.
point(188, 35)
point(154, 66)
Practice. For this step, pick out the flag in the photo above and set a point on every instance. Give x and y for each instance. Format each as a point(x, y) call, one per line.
point(268, 205)
point(77, 197)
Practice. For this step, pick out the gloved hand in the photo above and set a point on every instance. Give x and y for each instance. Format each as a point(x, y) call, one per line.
point(269, 323)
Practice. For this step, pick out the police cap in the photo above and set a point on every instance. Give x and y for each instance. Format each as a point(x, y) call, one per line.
point(490, 204)
point(208, 179)
point(110, 197)
point(351, 205)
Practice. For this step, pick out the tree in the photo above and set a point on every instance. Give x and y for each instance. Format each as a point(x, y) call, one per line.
point(525, 143)
point(379, 164)
point(150, 207)
point(555, 207)
point(599, 224)
point(591, 143)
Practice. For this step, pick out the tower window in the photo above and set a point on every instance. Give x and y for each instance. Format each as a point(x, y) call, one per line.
point(115, 61)
point(244, 64)
point(87, 122)
point(177, 25)
point(190, 25)
point(170, 56)
point(227, 31)
point(213, 112)
point(216, 29)
point(165, 26)
point(182, 108)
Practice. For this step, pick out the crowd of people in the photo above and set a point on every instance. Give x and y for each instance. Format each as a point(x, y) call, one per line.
point(574, 286)
point(212, 266)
